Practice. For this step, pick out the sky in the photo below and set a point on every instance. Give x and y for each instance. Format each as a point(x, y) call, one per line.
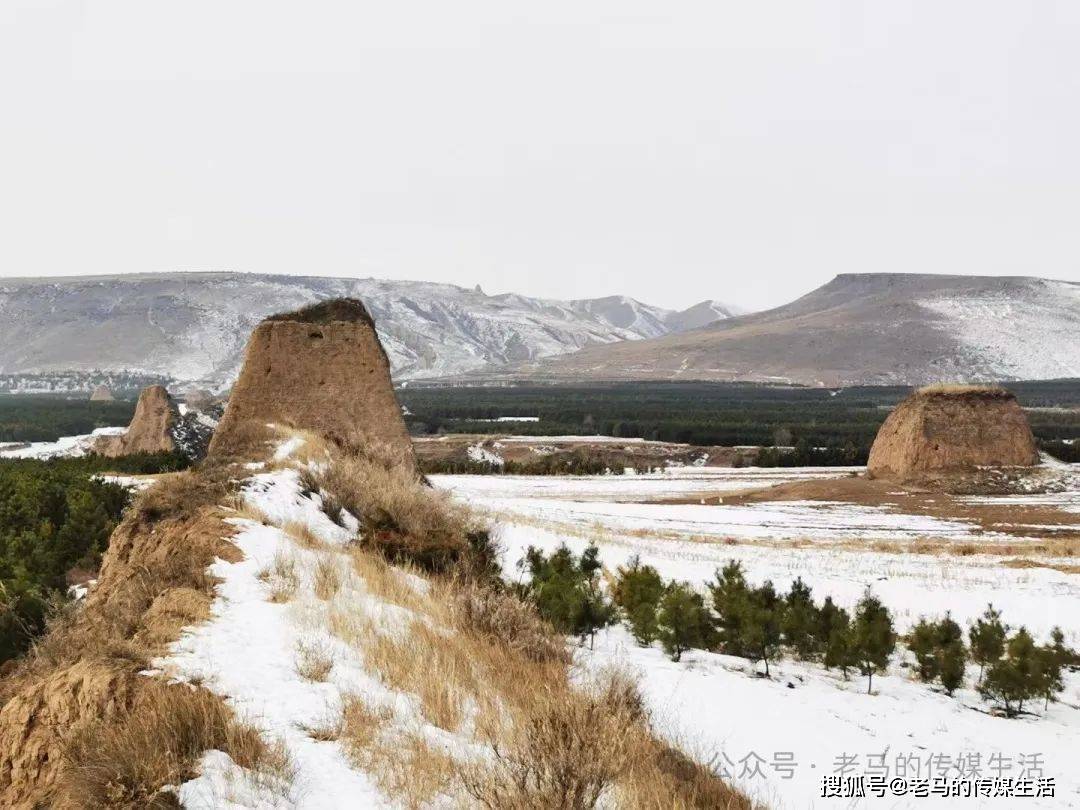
point(672, 151)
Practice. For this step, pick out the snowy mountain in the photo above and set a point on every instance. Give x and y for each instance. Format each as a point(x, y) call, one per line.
point(864, 329)
point(193, 326)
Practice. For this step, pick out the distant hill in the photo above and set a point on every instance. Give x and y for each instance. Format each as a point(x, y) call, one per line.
point(193, 326)
point(863, 329)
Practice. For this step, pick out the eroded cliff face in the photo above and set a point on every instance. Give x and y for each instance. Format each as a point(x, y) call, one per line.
point(953, 431)
point(323, 369)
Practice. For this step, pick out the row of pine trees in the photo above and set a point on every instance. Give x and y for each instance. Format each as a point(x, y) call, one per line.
point(761, 624)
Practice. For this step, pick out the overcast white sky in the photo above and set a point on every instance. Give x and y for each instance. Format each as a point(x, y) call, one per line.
point(673, 151)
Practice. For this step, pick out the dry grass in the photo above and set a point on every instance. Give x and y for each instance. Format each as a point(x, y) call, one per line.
point(962, 388)
point(566, 751)
point(499, 617)
point(327, 577)
point(282, 578)
point(1027, 563)
point(314, 661)
point(242, 508)
point(124, 763)
point(404, 520)
point(302, 534)
point(360, 728)
point(409, 663)
point(404, 764)
point(383, 580)
point(247, 441)
point(182, 494)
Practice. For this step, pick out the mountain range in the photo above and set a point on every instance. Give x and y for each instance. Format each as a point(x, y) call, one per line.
point(192, 327)
point(864, 329)
point(859, 329)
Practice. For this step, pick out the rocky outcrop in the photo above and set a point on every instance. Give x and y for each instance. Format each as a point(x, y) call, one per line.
point(952, 429)
point(321, 368)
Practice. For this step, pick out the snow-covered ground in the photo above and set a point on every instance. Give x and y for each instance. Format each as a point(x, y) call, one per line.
point(65, 446)
point(674, 482)
point(776, 738)
point(748, 725)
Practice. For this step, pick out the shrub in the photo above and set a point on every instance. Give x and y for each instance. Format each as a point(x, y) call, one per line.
point(404, 520)
point(497, 615)
point(569, 749)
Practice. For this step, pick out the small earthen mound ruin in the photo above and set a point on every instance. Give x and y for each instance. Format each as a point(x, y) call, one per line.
point(159, 426)
point(952, 429)
point(321, 367)
point(101, 394)
point(151, 428)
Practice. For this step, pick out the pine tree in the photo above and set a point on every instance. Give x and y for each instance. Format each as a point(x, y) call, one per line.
point(952, 658)
point(1017, 676)
point(834, 634)
point(761, 621)
point(987, 639)
point(922, 641)
point(684, 620)
point(800, 618)
point(566, 590)
point(874, 639)
point(730, 595)
point(1052, 660)
point(637, 591)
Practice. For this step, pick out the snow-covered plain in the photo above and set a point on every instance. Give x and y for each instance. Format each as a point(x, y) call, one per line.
point(673, 482)
point(64, 447)
point(717, 705)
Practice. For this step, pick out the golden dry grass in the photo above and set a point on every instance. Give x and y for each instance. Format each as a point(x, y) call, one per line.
point(302, 534)
point(124, 763)
point(961, 388)
point(282, 577)
point(388, 583)
point(404, 520)
point(314, 661)
point(327, 576)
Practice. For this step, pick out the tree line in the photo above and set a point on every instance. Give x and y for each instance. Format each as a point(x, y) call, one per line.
point(762, 624)
point(56, 517)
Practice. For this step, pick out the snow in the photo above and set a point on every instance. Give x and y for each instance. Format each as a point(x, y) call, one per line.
point(507, 419)
point(247, 652)
point(1032, 337)
point(65, 446)
point(136, 482)
point(428, 329)
point(672, 482)
point(717, 706)
point(480, 454)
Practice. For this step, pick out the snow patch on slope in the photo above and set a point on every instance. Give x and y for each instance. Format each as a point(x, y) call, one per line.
point(1036, 336)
